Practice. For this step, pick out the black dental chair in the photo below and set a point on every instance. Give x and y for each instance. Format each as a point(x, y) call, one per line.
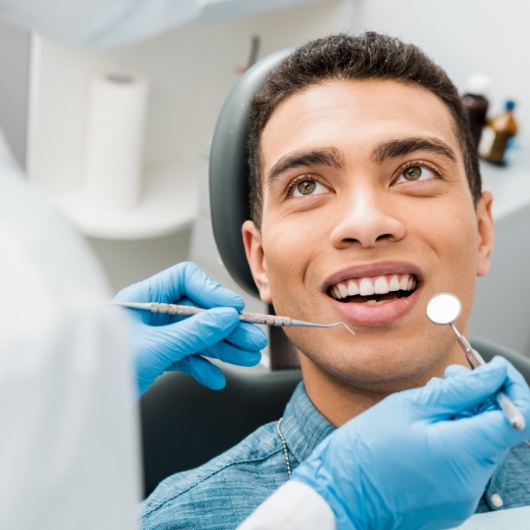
point(184, 424)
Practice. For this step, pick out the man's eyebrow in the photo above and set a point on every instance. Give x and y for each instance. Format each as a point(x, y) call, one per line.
point(405, 146)
point(328, 156)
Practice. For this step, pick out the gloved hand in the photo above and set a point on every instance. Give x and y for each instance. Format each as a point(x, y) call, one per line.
point(168, 342)
point(415, 460)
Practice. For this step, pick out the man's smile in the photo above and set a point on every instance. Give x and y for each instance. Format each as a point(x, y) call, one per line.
point(374, 290)
point(374, 294)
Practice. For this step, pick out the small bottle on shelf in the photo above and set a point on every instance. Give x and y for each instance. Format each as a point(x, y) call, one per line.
point(476, 104)
point(498, 137)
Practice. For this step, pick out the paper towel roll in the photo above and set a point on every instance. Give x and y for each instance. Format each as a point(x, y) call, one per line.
point(116, 111)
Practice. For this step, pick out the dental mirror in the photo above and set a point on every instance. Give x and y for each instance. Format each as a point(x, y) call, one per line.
point(443, 309)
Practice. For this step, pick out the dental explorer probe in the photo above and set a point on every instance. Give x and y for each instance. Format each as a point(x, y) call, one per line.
point(253, 318)
point(445, 308)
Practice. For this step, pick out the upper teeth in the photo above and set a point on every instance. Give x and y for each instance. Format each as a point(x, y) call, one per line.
point(373, 285)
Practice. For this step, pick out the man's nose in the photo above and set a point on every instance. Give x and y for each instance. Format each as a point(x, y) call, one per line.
point(367, 218)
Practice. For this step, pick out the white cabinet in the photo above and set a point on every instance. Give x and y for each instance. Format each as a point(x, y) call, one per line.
point(510, 186)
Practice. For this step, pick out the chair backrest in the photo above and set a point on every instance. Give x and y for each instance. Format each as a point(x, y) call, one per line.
point(184, 424)
point(489, 349)
point(228, 172)
point(229, 192)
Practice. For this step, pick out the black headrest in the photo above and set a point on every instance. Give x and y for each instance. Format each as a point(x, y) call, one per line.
point(229, 188)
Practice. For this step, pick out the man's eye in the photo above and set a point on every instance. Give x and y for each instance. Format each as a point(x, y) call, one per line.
point(416, 173)
point(306, 187)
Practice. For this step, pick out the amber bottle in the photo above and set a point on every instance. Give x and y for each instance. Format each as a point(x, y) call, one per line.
point(498, 137)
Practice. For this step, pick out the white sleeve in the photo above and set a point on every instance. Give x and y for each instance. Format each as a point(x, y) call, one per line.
point(294, 506)
point(100, 22)
point(68, 419)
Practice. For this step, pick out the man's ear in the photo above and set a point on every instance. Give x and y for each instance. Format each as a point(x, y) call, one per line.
point(485, 232)
point(256, 259)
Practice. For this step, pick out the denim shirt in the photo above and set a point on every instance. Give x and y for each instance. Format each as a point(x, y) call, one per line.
point(223, 492)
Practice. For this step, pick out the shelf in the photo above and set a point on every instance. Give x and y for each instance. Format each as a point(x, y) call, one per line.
point(510, 186)
point(170, 202)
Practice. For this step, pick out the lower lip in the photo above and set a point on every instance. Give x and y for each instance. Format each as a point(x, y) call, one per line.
point(375, 315)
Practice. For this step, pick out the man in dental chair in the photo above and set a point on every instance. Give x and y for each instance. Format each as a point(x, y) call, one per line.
point(366, 201)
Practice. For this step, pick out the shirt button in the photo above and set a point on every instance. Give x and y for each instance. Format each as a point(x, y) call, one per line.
point(496, 500)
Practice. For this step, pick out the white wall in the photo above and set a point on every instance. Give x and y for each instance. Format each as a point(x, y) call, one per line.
point(463, 36)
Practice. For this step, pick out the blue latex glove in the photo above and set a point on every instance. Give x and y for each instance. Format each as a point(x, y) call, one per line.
point(415, 460)
point(168, 342)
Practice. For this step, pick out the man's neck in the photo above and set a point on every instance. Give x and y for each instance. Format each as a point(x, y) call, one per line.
point(339, 401)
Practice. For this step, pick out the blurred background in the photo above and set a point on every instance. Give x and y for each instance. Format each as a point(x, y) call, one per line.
point(47, 100)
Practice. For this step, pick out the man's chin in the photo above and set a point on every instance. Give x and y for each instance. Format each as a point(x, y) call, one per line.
point(379, 376)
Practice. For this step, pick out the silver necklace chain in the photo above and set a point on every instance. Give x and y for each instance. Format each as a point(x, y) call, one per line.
point(284, 445)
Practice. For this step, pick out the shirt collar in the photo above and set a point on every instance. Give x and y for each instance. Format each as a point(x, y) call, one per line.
point(303, 427)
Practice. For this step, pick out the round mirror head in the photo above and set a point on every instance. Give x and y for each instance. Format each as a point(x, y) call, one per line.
point(443, 308)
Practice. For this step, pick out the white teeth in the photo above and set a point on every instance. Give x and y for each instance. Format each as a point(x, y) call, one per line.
point(394, 283)
point(373, 285)
point(343, 290)
point(381, 285)
point(353, 289)
point(374, 302)
point(366, 287)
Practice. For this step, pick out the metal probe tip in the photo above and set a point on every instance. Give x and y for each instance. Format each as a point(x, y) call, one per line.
point(302, 323)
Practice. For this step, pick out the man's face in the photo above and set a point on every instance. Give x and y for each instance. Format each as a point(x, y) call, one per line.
point(366, 215)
